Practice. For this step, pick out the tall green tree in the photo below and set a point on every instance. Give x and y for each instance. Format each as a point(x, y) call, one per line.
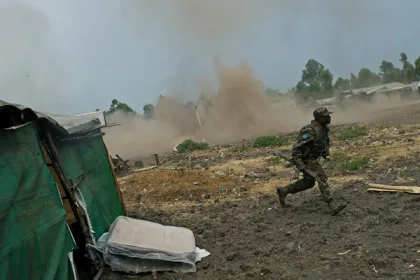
point(390, 73)
point(316, 82)
point(312, 72)
point(409, 71)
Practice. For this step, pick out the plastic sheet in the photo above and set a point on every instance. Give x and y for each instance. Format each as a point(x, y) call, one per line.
point(136, 246)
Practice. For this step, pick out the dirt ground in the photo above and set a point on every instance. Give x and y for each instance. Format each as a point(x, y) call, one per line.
point(226, 196)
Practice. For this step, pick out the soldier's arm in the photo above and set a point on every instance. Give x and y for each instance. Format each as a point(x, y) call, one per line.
point(304, 139)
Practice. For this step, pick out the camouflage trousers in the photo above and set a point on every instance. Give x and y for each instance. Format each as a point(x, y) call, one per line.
point(307, 182)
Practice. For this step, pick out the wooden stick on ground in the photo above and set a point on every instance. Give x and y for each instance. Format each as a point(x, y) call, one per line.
point(387, 188)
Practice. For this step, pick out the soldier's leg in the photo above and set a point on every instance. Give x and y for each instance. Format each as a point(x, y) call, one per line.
point(324, 188)
point(295, 187)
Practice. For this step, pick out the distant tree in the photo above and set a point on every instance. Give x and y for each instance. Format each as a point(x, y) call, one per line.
point(354, 82)
point(386, 66)
point(271, 92)
point(326, 81)
point(97, 110)
point(312, 72)
point(404, 60)
point(342, 84)
point(301, 87)
point(390, 73)
point(148, 110)
point(316, 81)
point(119, 106)
point(409, 71)
point(410, 74)
point(417, 68)
point(367, 78)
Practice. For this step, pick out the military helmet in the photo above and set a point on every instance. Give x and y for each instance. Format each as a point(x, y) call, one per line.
point(321, 112)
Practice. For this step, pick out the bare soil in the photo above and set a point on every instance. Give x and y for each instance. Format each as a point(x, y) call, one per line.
point(226, 195)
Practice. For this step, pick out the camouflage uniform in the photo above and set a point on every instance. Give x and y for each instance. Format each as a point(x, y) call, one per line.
point(312, 142)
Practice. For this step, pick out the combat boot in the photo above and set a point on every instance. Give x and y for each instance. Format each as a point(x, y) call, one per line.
point(282, 193)
point(335, 209)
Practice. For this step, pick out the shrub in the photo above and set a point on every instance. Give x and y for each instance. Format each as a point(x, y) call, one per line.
point(189, 146)
point(269, 141)
point(274, 161)
point(355, 164)
point(352, 132)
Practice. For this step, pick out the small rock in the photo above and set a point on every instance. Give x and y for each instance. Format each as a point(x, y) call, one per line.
point(196, 183)
point(206, 196)
point(244, 267)
point(265, 271)
point(377, 143)
point(291, 246)
point(231, 257)
point(220, 173)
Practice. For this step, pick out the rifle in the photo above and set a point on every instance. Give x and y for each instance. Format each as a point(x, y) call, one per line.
point(290, 162)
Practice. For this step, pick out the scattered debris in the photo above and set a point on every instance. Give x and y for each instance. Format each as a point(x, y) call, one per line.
point(120, 165)
point(144, 169)
point(345, 253)
point(156, 159)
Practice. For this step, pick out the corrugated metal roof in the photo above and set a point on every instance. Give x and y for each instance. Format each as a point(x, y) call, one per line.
point(326, 101)
point(65, 124)
point(378, 88)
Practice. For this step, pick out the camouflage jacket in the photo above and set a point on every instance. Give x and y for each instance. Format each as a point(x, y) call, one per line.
point(312, 142)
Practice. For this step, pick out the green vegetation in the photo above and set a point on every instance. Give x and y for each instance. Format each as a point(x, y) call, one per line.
point(341, 161)
point(355, 164)
point(269, 141)
point(119, 106)
point(189, 146)
point(274, 161)
point(352, 133)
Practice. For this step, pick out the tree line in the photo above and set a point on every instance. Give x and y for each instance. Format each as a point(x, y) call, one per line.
point(317, 82)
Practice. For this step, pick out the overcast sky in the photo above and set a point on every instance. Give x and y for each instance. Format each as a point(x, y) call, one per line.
point(73, 56)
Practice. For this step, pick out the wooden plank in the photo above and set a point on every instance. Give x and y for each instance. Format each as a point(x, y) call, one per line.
point(115, 179)
point(144, 169)
point(381, 187)
point(70, 217)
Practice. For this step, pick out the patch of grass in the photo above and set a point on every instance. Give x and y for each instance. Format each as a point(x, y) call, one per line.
point(269, 141)
point(241, 149)
point(352, 133)
point(355, 164)
point(189, 146)
point(274, 161)
point(340, 160)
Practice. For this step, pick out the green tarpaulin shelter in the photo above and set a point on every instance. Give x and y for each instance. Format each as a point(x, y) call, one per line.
point(35, 238)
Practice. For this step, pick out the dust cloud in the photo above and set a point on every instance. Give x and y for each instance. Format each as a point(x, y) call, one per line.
point(237, 109)
point(233, 108)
